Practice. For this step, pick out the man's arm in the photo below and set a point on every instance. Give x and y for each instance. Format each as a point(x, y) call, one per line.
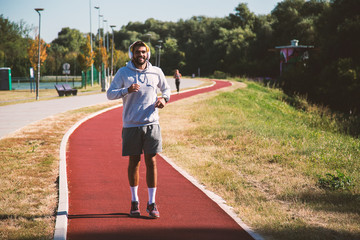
point(164, 87)
point(160, 102)
point(116, 89)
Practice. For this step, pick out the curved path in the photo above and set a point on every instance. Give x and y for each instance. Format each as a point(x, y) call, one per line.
point(99, 194)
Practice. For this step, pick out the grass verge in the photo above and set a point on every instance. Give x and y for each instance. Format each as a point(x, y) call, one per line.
point(23, 96)
point(266, 159)
point(248, 145)
point(29, 169)
point(29, 175)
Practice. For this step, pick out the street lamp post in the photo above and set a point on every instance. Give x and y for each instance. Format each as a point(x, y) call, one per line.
point(149, 36)
point(101, 67)
point(91, 40)
point(112, 52)
point(156, 54)
point(103, 30)
point(98, 8)
point(38, 10)
point(160, 41)
point(106, 37)
point(103, 70)
point(107, 34)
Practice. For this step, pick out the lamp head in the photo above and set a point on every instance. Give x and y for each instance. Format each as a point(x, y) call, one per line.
point(39, 9)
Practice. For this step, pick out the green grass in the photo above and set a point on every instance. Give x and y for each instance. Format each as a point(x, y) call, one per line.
point(29, 175)
point(23, 96)
point(266, 158)
point(263, 155)
point(314, 146)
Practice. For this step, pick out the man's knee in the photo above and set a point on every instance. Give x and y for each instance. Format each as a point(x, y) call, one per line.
point(150, 160)
point(134, 160)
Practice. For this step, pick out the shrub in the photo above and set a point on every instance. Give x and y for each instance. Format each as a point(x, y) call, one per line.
point(333, 182)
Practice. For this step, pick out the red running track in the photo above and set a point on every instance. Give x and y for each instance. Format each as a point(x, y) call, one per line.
point(99, 194)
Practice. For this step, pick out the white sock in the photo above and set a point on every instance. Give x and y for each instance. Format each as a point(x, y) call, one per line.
point(152, 193)
point(134, 194)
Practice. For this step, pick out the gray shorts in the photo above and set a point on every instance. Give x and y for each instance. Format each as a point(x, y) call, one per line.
point(136, 140)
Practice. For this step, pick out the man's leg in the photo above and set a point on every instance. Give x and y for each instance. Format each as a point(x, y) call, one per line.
point(151, 180)
point(133, 176)
point(133, 170)
point(151, 170)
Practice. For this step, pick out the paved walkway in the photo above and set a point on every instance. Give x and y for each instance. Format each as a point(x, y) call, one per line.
point(99, 195)
point(16, 116)
point(107, 218)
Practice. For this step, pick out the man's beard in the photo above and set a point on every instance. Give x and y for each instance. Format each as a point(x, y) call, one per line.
point(140, 60)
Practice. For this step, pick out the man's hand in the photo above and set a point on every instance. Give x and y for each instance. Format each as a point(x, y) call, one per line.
point(160, 103)
point(134, 88)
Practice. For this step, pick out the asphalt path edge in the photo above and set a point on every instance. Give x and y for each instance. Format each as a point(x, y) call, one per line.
point(61, 221)
point(213, 196)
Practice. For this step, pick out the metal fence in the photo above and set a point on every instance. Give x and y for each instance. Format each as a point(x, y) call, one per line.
point(46, 82)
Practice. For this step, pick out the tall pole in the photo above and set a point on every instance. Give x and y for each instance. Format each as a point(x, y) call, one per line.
point(107, 35)
point(38, 10)
point(159, 56)
point(91, 43)
point(98, 8)
point(107, 48)
point(99, 76)
point(156, 54)
point(149, 36)
point(160, 41)
point(103, 70)
point(103, 32)
point(112, 52)
point(106, 42)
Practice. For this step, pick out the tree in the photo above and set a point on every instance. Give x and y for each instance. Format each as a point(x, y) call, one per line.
point(295, 19)
point(65, 48)
point(235, 43)
point(55, 59)
point(101, 61)
point(243, 17)
point(120, 59)
point(71, 39)
point(172, 57)
point(100, 53)
point(13, 46)
point(86, 57)
point(338, 82)
point(33, 52)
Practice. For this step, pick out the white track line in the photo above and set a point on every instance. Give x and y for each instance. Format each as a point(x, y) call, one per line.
point(63, 208)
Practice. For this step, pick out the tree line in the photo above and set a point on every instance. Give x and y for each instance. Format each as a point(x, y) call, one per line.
point(240, 44)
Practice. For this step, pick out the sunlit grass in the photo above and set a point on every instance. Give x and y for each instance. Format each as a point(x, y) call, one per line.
point(265, 157)
point(22, 96)
point(246, 144)
point(29, 175)
point(29, 170)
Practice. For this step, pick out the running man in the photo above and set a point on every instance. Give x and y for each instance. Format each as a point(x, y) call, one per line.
point(137, 84)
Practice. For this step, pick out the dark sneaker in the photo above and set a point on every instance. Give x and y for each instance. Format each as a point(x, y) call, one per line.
point(135, 212)
point(152, 210)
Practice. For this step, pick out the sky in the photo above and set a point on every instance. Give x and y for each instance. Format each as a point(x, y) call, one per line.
point(75, 14)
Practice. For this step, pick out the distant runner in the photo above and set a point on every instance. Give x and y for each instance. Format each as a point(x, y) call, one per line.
point(177, 76)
